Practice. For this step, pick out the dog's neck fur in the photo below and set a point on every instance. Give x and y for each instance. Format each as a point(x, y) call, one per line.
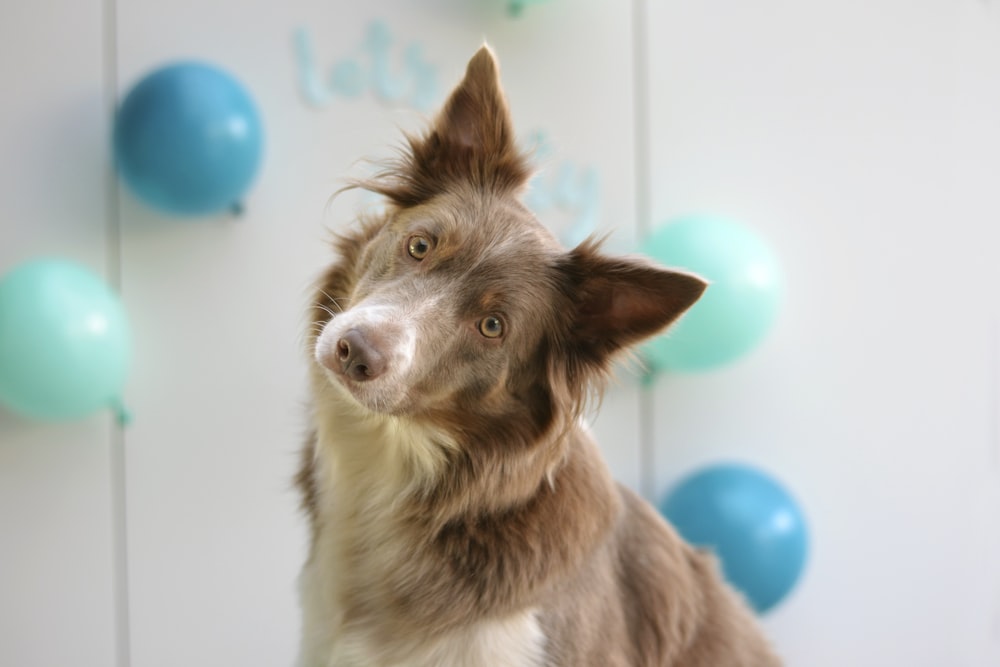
point(402, 471)
point(401, 459)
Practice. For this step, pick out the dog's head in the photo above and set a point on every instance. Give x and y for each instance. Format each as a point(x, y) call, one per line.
point(458, 309)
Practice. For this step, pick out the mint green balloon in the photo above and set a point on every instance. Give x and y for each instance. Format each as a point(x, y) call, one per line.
point(64, 341)
point(738, 308)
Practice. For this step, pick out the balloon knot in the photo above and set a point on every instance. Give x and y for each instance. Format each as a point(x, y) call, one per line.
point(122, 414)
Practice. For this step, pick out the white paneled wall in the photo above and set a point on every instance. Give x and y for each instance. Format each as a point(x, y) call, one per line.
point(860, 138)
point(57, 563)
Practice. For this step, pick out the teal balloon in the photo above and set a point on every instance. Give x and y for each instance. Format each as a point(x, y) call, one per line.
point(750, 521)
point(65, 344)
point(188, 139)
point(738, 308)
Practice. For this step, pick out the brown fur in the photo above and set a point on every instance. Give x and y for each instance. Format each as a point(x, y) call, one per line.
point(469, 494)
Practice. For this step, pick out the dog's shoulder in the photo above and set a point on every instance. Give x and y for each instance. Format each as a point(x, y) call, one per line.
point(681, 612)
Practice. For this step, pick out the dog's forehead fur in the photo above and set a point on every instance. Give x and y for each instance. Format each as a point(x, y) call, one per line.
point(484, 222)
point(488, 247)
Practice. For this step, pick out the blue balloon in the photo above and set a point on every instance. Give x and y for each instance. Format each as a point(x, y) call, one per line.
point(751, 522)
point(188, 140)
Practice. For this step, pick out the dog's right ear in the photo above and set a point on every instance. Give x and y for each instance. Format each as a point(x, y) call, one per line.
point(620, 301)
point(471, 141)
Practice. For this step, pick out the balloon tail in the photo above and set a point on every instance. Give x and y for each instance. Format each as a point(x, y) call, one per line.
point(122, 414)
point(647, 371)
point(237, 209)
point(515, 8)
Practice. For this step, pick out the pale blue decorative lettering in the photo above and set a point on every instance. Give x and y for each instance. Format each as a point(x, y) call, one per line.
point(309, 77)
point(406, 79)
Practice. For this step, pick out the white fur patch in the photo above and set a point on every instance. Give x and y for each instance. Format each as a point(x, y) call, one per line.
point(514, 642)
point(517, 641)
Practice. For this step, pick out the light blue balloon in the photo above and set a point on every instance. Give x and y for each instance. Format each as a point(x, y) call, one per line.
point(751, 522)
point(740, 305)
point(64, 341)
point(188, 140)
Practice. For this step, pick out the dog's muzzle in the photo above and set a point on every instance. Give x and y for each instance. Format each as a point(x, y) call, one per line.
point(370, 350)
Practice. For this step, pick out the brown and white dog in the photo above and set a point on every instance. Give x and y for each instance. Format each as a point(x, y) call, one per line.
point(460, 516)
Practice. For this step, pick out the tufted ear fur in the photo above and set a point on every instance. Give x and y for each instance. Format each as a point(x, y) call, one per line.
point(471, 141)
point(621, 301)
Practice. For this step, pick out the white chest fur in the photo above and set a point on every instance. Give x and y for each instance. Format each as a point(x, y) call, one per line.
point(517, 641)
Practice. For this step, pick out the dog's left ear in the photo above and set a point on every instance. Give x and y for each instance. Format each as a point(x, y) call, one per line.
point(471, 141)
point(621, 301)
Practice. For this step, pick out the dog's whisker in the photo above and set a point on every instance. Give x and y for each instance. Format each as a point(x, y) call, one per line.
point(327, 310)
point(335, 302)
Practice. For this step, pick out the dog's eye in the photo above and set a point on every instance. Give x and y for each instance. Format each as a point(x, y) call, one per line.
point(418, 246)
point(491, 327)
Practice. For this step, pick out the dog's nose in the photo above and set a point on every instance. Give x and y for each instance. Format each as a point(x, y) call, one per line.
point(359, 359)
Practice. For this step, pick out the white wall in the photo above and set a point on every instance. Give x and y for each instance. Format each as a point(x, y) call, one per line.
point(860, 138)
point(57, 564)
